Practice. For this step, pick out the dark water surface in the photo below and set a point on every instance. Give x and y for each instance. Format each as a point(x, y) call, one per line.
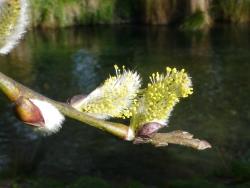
point(72, 61)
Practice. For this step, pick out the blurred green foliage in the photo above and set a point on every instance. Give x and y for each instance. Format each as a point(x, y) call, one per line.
point(194, 22)
point(235, 11)
point(63, 13)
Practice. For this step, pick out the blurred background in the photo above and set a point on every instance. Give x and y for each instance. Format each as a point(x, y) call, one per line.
point(71, 48)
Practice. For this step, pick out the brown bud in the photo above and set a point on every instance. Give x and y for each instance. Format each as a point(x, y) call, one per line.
point(148, 129)
point(28, 112)
point(75, 100)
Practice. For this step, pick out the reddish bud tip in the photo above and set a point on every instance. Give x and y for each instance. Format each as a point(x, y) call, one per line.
point(28, 112)
point(148, 129)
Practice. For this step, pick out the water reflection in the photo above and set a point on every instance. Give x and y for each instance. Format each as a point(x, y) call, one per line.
point(63, 63)
point(86, 70)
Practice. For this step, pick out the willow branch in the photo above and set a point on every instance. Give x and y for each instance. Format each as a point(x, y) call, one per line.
point(13, 90)
point(176, 137)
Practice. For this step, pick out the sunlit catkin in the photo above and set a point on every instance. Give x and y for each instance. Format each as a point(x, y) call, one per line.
point(13, 23)
point(114, 97)
point(160, 96)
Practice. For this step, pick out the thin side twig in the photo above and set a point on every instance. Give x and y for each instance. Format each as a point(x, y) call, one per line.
point(176, 137)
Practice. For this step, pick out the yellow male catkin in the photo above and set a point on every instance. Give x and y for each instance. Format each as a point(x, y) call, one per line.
point(114, 97)
point(13, 23)
point(159, 98)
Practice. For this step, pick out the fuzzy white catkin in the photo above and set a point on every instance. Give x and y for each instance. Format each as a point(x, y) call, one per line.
point(18, 30)
point(53, 119)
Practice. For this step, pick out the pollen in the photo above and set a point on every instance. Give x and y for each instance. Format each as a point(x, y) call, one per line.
point(13, 23)
point(115, 97)
point(161, 95)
